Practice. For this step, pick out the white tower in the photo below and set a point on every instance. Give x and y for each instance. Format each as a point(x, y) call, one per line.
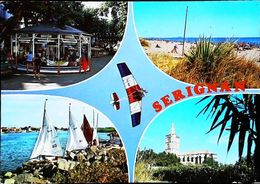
point(172, 142)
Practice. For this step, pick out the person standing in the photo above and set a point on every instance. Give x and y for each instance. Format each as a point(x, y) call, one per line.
point(37, 65)
point(174, 50)
point(29, 60)
point(84, 64)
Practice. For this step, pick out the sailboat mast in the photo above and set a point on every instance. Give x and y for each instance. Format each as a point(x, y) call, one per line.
point(44, 113)
point(93, 118)
point(69, 114)
point(97, 120)
point(184, 33)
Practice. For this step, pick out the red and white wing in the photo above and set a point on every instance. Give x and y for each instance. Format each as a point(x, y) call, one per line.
point(115, 101)
point(131, 87)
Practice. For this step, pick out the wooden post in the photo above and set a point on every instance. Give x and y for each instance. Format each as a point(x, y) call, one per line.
point(33, 48)
point(58, 54)
point(184, 34)
point(11, 44)
point(16, 50)
point(89, 46)
point(58, 47)
point(80, 45)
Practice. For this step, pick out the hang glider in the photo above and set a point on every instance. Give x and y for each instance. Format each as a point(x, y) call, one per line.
point(134, 93)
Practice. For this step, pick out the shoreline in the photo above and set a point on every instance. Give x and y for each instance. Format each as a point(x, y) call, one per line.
point(237, 40)
point(167, 47)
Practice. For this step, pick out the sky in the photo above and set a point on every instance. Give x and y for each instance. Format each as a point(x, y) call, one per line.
point(92, 4)
point(215, 19)
point(27, 110)
point(191, 130)
point(97, 4)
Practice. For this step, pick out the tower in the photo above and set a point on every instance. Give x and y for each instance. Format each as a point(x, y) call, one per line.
point(172, 142)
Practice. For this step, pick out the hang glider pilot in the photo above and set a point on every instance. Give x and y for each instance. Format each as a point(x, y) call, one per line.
point(139, 94)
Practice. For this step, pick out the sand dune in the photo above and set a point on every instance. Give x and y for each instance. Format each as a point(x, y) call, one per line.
point(157, 46)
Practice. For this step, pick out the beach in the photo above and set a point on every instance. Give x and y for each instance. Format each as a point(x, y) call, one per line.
point(166, 47)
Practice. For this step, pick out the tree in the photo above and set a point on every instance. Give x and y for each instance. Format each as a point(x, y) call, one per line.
point(147, 156)
point(32, 12)
point(242, 113)
point(210, 162)
point(118, 10)
point(166, 159)
point(73, 13)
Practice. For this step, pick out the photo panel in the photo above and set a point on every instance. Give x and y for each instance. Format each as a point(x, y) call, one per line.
point(47, 45)
point(202, 41)
point(60, 140)
point(207, 139)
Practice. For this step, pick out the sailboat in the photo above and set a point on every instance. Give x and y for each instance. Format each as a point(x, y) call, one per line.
point(47, 144)
point(87, 130)
point(90, 133)
point(76, 140)
point(95, 140)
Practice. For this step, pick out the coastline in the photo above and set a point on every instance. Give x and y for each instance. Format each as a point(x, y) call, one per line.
point(166, 47)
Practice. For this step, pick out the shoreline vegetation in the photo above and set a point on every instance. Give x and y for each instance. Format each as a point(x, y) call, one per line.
point(206, 62)
point(94, 164)
point(105, 163)
point(166, 168)
point(28, 129)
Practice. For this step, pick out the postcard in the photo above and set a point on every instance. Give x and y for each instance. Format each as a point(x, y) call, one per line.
point(116, 91)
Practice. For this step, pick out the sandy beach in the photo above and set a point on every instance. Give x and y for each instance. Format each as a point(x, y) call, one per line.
point(166, 47)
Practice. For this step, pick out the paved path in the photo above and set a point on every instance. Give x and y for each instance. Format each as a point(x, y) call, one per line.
point(24, 81)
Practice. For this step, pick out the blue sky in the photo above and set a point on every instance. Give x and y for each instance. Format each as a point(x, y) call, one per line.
point(216, 19)
point(27, 110)
point(191, 130)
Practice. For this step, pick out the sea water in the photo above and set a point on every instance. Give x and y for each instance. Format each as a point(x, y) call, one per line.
point(16, 148)
point(249, 40)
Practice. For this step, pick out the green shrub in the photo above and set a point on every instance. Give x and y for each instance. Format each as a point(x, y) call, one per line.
point(208, 53)
point(143, 172)
point(144, 42)
point(112, 170)
point(205, 174)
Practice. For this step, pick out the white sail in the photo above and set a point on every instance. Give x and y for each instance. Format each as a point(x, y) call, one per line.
point(47, 143)
point(95, 140)
point(76, 139)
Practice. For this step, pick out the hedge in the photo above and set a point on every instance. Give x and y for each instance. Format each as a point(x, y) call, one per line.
point(205, 174)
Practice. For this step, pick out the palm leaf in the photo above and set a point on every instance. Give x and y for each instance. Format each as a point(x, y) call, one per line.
point(233, 131)
point(242, 133)
point(225, 120)
point(206, 107)
point(221, 110)
point(204, 98)
point(249, 145)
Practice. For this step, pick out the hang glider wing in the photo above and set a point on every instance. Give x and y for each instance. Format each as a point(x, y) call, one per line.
point(115, 101)
point(134, 93)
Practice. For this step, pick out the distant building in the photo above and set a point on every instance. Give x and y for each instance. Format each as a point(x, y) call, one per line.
point(196, 157)
point(172, 145)
point(172, 142)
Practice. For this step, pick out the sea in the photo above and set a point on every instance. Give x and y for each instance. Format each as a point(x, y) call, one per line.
point(16, 148)
point(250, 40)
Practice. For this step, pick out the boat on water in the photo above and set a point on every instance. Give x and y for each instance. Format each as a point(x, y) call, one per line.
point(76, 139)
point(47, 144)
point(79, 138)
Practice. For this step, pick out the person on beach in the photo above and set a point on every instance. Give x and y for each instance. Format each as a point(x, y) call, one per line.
point(29, 60)
point(174, 50)
point(37, 65)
